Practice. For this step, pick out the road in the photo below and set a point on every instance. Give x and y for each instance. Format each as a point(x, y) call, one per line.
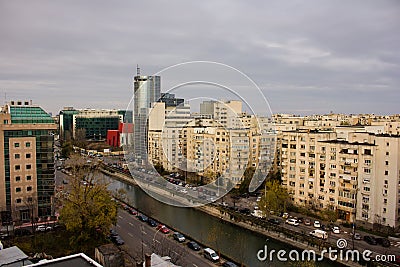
point(134, 232)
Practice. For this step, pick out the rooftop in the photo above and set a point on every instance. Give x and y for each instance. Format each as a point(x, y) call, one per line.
point(76, 260)
point(29, 114)
point(13, 256)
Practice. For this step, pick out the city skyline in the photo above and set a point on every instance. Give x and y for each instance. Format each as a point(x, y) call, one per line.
point(340, 58)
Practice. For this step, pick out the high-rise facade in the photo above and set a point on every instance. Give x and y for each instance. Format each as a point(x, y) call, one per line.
point(27, 162)
point(147, 90)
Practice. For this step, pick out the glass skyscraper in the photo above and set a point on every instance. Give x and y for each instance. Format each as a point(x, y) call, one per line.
point(147, 90)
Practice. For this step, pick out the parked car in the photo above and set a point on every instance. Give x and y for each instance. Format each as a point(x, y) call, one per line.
point(285, 215)
point(292, 222)
point(384, 242)
point(142, 217)
point(336, 230)
point(193, 245)
point(274, 221)
point(132, 211)
point(370, 240)
point(43, 228)
point(151, 222)
point(163, 229)
point(118, 240)
point(113, 233)
point(317, 224)
point(211, 255)
point(229, 264)
point(307, 222)
point(179, 237)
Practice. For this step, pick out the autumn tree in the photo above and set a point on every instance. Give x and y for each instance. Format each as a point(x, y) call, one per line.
point(88, 210)
point(275, 197)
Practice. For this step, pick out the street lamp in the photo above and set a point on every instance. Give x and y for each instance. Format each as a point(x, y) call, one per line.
point(154, 239)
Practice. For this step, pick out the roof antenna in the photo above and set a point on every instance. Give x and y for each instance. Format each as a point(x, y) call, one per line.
point(137, 70)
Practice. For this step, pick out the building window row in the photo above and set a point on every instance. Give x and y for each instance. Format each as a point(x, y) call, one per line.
point(17, 144)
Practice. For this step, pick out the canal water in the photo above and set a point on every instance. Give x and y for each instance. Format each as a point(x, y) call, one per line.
point(237, 243)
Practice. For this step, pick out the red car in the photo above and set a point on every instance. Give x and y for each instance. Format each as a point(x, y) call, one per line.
point(162, 228)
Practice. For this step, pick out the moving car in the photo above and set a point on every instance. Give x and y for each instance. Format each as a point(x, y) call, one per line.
point(274, 221)
point(292, 222)
point(179, 237)
point(319, 234)
point(211, 255)
point(336, 230)
point(229, 264)
point(357, 236)
point(193, 245)
point(384, 242)
point(370, 240)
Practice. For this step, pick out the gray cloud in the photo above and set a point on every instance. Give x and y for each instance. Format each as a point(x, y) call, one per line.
point(307, 56)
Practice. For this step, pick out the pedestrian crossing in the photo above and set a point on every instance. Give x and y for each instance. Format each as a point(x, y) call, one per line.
point(395, 244)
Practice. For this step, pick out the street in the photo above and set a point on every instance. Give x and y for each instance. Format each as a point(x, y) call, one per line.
point(135, 233)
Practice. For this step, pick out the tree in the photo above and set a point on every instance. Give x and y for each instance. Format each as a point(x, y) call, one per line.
point(275, 197)
point(88, 210)
point(330, 214)
point(80, 138)
point(247, 176)
point(66, 149)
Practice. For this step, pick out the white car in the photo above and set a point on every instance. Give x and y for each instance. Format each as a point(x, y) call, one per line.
point(336, 230)
point(317, 224)
point(43, 228)
point(293, 222)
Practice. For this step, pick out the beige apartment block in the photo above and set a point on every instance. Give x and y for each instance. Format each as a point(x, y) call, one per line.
point(358, 176)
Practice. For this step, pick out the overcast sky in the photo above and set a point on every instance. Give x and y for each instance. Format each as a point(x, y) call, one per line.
point(307, 56)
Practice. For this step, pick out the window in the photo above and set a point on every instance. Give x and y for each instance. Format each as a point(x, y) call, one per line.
point(17, 178)
point(28, 155)
point(387, 153)
point(18, 200)
point(28, 177)
point(28, 166)
point(384, 201)
point(18, 189)
point(17, 167)
point(17, 156)
point(386, 172)
point(29, 188)
point(366, 170)
point(28, 144)
point(386, 163)
point(16, 144)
